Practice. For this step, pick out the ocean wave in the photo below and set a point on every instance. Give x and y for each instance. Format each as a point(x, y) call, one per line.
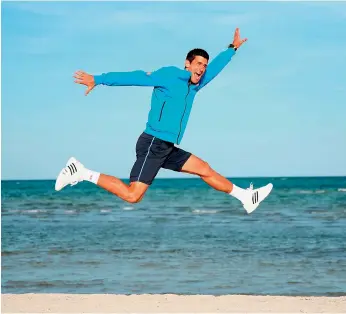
point(305, 192)
point(28, 284)
point(33, 211)
point(17, 284)
point(147, 251)
point(342, 190)
point(311, 192)
point(70, 211)
point(128, 208)
point(205, 211)
point(57, 251)
point(11, 211)
point(87, 262)
point(10, 253)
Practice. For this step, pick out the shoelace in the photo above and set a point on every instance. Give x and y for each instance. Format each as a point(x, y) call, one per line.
point(251, 187)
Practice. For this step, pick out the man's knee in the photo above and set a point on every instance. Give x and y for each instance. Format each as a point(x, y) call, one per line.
point(134, 197)
point(136, 192)
point(205, 170)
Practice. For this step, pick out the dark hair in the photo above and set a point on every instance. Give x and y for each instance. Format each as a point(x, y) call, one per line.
point(197, 52)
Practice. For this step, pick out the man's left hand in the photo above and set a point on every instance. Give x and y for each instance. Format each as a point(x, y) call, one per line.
point(237, 42)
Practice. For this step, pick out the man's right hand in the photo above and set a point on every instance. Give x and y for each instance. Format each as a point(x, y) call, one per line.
point(85, 79)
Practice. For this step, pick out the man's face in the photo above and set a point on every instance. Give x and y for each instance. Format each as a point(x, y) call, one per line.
point(197, 68)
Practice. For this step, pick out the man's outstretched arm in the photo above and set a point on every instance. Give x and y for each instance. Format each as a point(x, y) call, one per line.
point(222, 59)
point(134, 78)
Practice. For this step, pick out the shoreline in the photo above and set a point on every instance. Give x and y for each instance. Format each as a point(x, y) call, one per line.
point(168, 303)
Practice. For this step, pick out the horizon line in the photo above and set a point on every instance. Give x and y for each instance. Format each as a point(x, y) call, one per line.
point(196, 177)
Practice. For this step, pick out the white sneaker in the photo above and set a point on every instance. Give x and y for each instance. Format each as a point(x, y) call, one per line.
point(71, 174)
point(255, 197)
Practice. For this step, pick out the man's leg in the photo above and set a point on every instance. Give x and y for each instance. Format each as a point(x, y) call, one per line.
point(182, 161)
point(132, 193)
point(151, 153)
point(75, 172)
point(197, 166)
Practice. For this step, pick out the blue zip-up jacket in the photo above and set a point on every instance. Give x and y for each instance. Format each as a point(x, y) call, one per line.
point(172, 96)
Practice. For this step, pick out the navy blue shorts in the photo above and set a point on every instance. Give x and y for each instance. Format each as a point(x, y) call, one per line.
point(152, 154)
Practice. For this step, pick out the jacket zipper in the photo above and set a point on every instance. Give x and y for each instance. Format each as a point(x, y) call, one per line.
point(162, 110)
point(188, 91)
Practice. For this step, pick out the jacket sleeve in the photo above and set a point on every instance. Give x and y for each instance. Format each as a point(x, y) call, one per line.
point(133, 78)
point(217, 65)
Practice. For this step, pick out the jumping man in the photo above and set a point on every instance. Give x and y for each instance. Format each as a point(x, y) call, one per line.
point(174, 90)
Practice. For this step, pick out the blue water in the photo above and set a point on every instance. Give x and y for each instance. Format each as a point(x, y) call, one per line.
point(183, 238)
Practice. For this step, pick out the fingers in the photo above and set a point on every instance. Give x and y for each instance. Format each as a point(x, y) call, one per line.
point(83, 83)
point(237, 42)
point(237, 45)
point(236, 34)
point(88, 90)
point(80, 79)
point(84, 78)
point(79, 75)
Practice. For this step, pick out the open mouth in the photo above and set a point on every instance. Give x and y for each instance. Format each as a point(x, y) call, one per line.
point(198, 75)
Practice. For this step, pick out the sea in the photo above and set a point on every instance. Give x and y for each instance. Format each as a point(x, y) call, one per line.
point(183, 238)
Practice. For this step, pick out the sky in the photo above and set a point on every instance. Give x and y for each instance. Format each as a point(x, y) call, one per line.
point(277, 109)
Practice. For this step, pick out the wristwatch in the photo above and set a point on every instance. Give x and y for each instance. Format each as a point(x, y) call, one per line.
point(232, 46)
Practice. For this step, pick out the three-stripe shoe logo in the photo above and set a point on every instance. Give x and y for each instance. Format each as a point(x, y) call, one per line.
point(73, 168)
point(255, 197)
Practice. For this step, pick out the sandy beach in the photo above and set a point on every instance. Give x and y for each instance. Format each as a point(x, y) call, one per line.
point(168, 303)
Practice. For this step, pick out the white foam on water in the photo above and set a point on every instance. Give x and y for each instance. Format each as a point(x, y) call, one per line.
point(205, 211)
point(342, 190)
point(128, 208)
point(34, 211)
point(105, 210)
point(320, 191)
point(311, 192)
point(70, 211)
